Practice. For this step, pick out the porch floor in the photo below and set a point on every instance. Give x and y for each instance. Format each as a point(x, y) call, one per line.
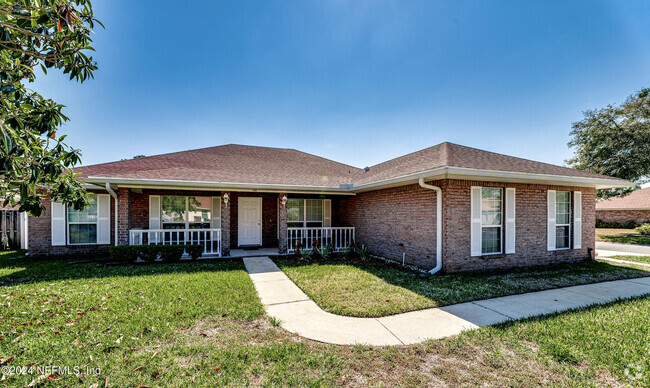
point(254, 252)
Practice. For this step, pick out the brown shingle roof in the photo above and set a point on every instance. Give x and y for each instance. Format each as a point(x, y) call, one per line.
point(278, 166)
point(454, 155)
point(639, 199)
point(231, 163)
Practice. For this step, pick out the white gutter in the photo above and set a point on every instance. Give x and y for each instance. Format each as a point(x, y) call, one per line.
point(438, 191)
point(114, 195)
point(216, 186)
point(433, 174)
point(496, 176)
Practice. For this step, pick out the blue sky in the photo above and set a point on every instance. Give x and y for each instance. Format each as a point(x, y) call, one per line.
point(356, 81)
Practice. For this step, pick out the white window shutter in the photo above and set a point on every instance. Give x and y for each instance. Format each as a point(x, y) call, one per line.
point(216, 213)
point(58, 224)
point(577, 219)
point(475, 232)
point(154, 212)
point(103, 219)
point(550, 231)
point(510, 220)
point(327, 213)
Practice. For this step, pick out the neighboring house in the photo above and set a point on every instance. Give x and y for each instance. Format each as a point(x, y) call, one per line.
point(467, 208)
point(632, 207)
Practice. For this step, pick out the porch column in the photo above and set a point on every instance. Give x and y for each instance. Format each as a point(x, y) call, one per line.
point(225, 226)
point(282, 239)
point(123, 216)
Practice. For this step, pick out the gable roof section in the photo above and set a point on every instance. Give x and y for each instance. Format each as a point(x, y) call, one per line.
point(231, 163)
point(636, 200)
point(454, 155)
point(263, 167)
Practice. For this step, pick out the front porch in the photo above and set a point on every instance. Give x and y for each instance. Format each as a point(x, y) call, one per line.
point(232, 224)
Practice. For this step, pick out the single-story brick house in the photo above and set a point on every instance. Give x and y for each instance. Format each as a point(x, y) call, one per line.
point(446, 207)
point(633, 207)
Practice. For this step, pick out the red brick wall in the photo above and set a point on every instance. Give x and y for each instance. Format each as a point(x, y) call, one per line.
point(385, 218)
point(40, 235)
point(621, 216)
point(531, 227)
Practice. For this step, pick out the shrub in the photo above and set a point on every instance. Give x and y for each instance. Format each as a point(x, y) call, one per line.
point(324, 252)
point(607, 224)
point(644, 229)
point(305, 253)
point(364, 252)
point(629, 225)
point(149, 253)
point(124, 253)
point(195, 251)
point(171, 253)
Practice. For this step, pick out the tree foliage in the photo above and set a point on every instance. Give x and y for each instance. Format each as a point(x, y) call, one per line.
point(45, 34)
point(615, 141)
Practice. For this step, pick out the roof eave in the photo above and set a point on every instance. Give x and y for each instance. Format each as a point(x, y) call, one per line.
point(433, 174)
point(213, 186)
point(496, 176)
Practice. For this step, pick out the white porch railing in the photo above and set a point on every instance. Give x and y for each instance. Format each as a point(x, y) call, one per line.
point(209, 238)
point(340, 238)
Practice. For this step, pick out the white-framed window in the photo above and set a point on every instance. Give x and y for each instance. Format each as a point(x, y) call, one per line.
point(82, 224)
point(304, 213)
point(562, 220)
point(491, 220)
point(180, 212)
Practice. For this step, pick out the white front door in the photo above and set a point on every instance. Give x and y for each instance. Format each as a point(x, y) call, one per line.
point(249, 221)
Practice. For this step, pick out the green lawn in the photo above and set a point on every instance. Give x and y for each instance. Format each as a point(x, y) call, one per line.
point(637, 259)
point(378, 289)
point(624, 236)
point(201, 324)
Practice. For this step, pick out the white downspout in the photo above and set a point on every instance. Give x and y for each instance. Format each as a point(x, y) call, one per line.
point(438, 191)
point(114, 195)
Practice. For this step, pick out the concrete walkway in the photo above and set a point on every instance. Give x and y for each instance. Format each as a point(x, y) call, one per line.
point(298, 314)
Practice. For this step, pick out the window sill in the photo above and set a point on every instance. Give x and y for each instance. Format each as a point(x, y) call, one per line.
point(488, 256)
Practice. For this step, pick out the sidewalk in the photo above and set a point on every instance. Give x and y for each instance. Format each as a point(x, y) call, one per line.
point(298, 314)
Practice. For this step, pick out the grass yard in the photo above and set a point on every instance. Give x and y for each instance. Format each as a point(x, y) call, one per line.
point(625, 236)
point(375, 289)
point(201, 324)
point(637, 259)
